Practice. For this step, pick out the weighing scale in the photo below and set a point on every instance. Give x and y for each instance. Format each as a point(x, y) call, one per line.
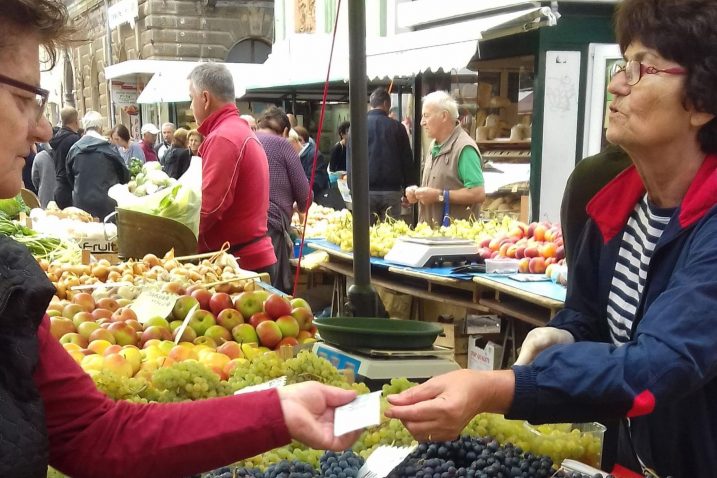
point(376, 367)
point(430, 251)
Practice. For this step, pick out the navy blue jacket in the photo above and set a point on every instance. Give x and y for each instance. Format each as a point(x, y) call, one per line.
point(390, 161)
point(665, 379)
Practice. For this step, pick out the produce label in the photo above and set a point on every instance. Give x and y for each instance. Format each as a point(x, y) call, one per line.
point(153, 303)
point(364, 411)
point(275, 383)
point(383, 460)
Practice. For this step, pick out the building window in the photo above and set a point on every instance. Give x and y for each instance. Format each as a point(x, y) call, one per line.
point(250, 50)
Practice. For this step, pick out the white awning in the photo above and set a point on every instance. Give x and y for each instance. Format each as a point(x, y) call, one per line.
point(131, 68)
point(449, 47)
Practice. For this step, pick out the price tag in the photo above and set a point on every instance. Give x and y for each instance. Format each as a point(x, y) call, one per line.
point(364, 411)
point(275, 383)
point(183, 327)
point(383, 460)
point(153, 303)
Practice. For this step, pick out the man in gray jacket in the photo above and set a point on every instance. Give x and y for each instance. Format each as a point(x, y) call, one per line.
point(43, 174)
point(93, 166)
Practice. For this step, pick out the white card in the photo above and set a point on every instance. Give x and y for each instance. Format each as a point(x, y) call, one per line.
point(364, 411)
point(274, 383)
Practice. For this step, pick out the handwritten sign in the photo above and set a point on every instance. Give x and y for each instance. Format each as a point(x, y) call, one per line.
point(153, 303)
point(121, 12)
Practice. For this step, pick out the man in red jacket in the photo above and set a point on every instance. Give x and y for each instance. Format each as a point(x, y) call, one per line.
point(235, 173)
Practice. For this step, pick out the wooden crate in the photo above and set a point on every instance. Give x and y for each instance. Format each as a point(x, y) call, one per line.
point(453, 336)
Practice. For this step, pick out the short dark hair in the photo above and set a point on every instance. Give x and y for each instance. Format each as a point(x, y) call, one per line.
point(121, 131)
point(379, 97)
point(46, 18)
point(682, 31)
point(275, 119)
point(344, 128)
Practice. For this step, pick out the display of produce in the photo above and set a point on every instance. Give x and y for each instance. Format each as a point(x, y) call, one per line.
point(41, 246)
point(317, 221)
point(150, 180)
point(71, 223)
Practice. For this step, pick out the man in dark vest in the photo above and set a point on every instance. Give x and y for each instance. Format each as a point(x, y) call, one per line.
point(61, 143)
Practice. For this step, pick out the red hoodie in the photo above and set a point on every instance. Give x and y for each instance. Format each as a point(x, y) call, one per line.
point(235, 189)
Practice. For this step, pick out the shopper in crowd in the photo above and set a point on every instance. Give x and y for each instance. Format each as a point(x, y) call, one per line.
point(93, 166)
point(194, 141)
point(177, 159)
point(309, 148)
point(149, 134)
point(43, 175)
point(338, 152)
point(288, 186)
point(637, 339)
point(390, 160)
point(27, 170)
point(127, 148)
point(165, 144)
point(51, 410)
point(589, 176)
point(452, 181)
point(251, 121)
point(235, 173)
point(61, 143)
point(296, 142)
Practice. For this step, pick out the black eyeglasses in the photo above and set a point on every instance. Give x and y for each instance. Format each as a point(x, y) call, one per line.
point(634, 71)
point(41, 94)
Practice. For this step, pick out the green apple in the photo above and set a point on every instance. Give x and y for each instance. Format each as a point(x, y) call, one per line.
point(218, 333)
point(183, 305)
point(201, 321)
point(299, 302)
point(158, 321)
point(288, 325)
point(245, 334)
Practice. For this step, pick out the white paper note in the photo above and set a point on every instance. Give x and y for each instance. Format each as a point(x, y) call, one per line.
point(275, 383)
point(364, 411)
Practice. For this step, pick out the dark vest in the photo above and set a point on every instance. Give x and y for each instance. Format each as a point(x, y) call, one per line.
point(25, 293)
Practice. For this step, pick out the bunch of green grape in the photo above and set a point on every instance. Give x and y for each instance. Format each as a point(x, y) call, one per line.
point(119, 387)
point(390, 432)
point(188, 380)
point(293, 451)
point(396, 385)
point(260, 369)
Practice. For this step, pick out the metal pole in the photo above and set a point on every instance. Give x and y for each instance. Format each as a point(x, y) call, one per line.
point(108, 54)
point(362, 297)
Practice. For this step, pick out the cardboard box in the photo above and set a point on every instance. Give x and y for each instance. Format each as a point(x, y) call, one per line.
point(453, 336)
point(484, 354)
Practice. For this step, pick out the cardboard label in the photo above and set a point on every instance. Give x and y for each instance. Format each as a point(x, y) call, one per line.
point(98, 247)
point(153, 303)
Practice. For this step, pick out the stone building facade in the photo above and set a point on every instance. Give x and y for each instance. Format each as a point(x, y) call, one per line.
point(187, 30)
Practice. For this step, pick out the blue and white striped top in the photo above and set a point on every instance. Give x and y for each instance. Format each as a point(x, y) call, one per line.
point(644, 228)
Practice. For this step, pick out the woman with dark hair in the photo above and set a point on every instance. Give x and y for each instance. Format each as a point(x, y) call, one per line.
point(287, 187)
point(338, 153)
point(128, 149)
point(51, 412)
point(637, 339)
point(177, 159)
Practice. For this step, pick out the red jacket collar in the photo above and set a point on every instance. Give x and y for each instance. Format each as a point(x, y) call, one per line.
point(218, 117)
point(612, 205)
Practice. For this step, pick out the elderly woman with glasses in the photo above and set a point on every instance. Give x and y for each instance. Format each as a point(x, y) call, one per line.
point(637, 340)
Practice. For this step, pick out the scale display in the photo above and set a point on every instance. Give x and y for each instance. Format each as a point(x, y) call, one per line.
point(430, 251)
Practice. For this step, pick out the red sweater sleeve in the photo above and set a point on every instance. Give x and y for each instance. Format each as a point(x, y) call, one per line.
point(91, 435)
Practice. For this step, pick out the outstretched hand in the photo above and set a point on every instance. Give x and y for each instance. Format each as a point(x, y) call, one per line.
point(309, 414)
point(440, 408)
point(539, 339)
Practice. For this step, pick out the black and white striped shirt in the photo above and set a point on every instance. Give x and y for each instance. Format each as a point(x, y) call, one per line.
point(643, 230)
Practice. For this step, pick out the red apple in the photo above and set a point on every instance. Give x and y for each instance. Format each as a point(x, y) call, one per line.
point(135, 325)
point(203, 296)
point(124, 333)
point(84, 300)
point(112, 349)
point(288, 325)
point(269, 334)
point(304, 334)
point(155, 332)
point(231, 349)
point(101, 314)
point(219, 301)
point(102, 334)
point(537, 265)
point(290, 341)
point(304, 317)
point(258, 318)
point(229, 318)
point(60, 326)
point(74, 338)
point(123, 314)
point(245, 334)
point(70, 310)
point(275, 306)
point(107, 303)
point(248, 303)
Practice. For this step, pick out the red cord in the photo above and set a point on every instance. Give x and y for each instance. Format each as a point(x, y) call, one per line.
point(316, 150)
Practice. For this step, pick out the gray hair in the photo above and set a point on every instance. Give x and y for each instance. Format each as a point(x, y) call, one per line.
point(442, 101)
point(214, 78)
point(92, 120)
point(171, 125)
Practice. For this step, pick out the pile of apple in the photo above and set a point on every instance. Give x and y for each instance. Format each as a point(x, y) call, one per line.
point(536, 246)
point(106, 334)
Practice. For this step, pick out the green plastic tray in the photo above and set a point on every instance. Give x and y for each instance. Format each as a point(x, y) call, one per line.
point(361, 332)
